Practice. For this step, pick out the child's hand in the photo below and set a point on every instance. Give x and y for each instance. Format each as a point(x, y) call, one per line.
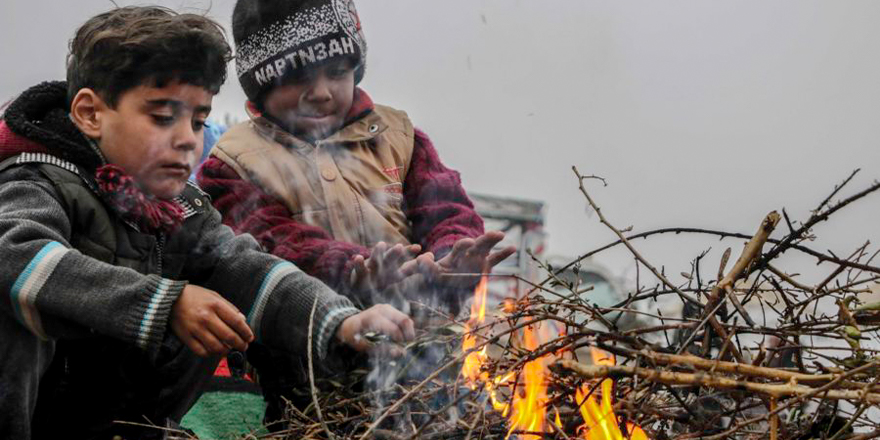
point(383, 319)
point(209, 324)
point(473, 255)
point(387, 266)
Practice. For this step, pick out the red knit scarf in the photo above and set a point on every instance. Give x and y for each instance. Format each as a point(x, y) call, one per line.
point(150, 214)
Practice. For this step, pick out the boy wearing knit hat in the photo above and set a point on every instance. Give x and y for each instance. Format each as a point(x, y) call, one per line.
point(346, 189)
point(121, 286)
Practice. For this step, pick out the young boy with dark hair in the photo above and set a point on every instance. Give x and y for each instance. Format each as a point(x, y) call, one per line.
point(346, 189)
point(122, 286)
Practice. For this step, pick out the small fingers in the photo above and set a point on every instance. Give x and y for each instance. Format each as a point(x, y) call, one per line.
point(401, 324)
point(411, 267)
point(231, 337)
point(408, 328)
point(394, 257)
point(484, 243)
point(388, 327)
point(460, 249)
point(237, 332)
point(427, 266)
point(358, 271)
point(359, 263)
point(383, 319)
point(413, 249)
point(374, 264)
point(211, 344)
point(496, 257)
point(423, 264)
point(395, 252)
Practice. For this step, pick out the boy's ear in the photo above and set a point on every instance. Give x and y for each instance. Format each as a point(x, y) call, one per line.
point(86, 110)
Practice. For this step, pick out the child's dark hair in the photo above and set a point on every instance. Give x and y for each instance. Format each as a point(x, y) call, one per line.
point(126, 47)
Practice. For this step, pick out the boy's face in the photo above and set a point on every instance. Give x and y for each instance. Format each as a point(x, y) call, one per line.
point(156, 135)
point(313, 103)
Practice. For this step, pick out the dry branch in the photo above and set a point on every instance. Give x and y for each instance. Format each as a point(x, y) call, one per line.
point(701, 373)
point(709, 380)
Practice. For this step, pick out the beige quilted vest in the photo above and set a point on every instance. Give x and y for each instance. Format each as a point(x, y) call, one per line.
point(350, 184)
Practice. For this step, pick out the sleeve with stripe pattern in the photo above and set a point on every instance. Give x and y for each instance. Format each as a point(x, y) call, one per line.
point(275, 295)
point(56, 291)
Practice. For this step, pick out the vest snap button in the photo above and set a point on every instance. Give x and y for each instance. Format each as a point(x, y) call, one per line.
point(328, 174)
point(198, 202)
point(374, 128)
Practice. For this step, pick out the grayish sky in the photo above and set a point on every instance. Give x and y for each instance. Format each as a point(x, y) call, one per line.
point(706, 114)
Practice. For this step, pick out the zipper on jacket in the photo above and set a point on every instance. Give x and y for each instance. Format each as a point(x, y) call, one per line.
point(160, 246)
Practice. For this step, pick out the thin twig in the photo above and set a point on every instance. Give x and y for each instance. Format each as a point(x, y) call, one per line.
point(312, 387)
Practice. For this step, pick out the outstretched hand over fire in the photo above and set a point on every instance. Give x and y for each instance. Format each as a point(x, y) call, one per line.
point(471, 256)
point(390, 264)
point(387, 265)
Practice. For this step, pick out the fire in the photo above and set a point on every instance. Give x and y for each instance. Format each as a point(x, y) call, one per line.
point(472, 370)
point(473, 363)
point(526, 409)
point(530, 408)
point(601, 422)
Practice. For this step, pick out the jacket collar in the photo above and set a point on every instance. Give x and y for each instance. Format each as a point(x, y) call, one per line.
point(38, 121)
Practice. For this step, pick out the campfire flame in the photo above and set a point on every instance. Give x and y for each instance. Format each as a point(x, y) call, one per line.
point(530, 407)
point(526, 410)
point(473, 363)
point(601, 422)
point(472, 370)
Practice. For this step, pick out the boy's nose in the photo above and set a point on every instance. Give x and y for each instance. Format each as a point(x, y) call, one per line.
point(185, 137)
point(320, 90)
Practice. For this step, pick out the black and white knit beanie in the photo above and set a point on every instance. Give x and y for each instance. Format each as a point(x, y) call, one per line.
point(275, 38)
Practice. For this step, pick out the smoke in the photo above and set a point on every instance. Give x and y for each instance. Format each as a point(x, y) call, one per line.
point(379, 193)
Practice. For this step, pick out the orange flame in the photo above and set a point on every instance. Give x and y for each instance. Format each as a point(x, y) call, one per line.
point(472, 370)
point(530, 407)
point(601, 422)
point(527, 408)
point(473, 363)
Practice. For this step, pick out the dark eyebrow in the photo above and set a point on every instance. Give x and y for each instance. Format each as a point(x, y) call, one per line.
point(176, 105)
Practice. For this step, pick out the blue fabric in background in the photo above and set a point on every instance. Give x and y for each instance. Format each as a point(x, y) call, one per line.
point(213, 131)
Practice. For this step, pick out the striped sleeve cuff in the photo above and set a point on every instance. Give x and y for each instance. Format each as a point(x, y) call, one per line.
point(270, 281)
point(30, 282)
point(149, 317)
point(325, 329)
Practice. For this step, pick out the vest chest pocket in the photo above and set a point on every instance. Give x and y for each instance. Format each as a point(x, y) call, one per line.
point(319, 217)
point(388, 196)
